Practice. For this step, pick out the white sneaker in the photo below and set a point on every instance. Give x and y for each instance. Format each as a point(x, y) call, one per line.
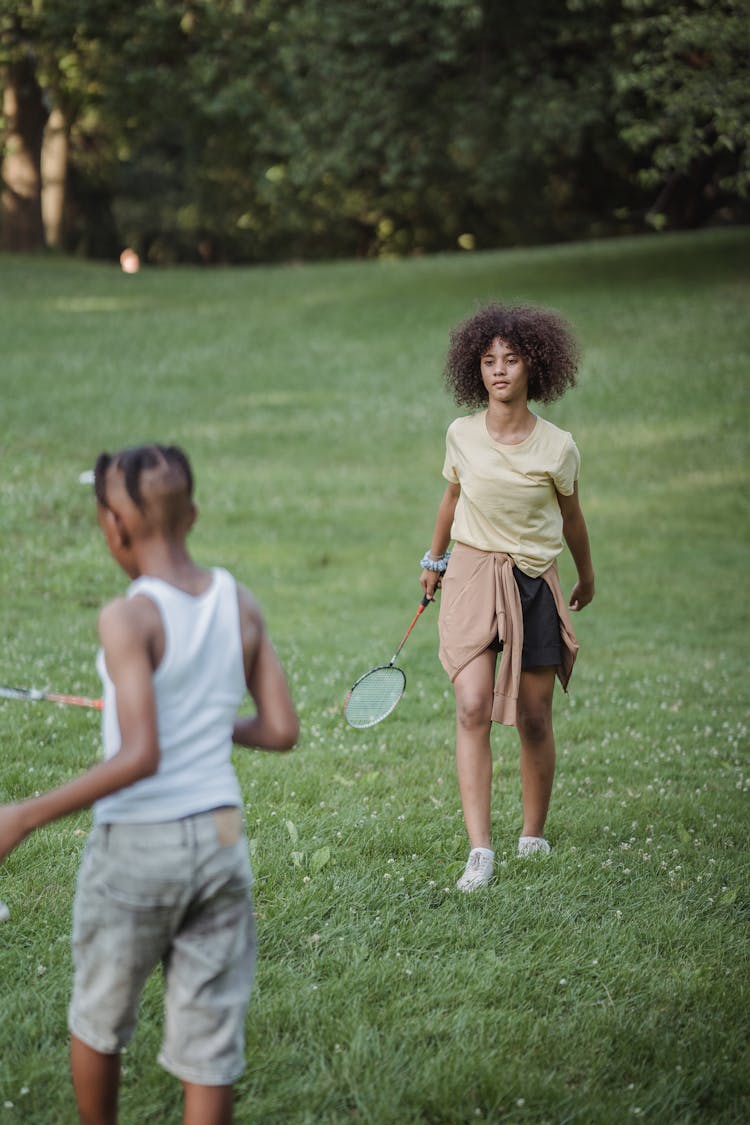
point(479, 869)
point(4, 912)
point(532, 845)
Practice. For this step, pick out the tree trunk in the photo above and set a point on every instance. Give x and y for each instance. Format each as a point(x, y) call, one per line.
point(21, 196)
point(54, 166)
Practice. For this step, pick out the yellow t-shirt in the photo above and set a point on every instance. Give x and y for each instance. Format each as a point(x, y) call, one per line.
point(508, 500)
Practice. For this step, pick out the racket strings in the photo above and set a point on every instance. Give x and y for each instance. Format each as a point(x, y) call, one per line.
point(374, 696)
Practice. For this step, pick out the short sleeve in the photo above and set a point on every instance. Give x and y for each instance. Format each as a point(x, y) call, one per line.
point(449, 466)
point(566, 475)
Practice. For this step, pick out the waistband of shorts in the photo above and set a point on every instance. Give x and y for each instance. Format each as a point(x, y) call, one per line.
point(187, 829)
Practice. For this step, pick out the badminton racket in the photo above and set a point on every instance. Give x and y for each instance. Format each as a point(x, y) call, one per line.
point(376, 693)
point(35, 696)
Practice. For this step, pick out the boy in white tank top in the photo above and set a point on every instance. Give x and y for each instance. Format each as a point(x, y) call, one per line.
point(165, 877)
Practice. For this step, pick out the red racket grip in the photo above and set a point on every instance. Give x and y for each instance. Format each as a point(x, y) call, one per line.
point(75, 700)
point(422, 606)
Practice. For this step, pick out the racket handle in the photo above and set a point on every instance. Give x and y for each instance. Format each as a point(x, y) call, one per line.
point(422, 606)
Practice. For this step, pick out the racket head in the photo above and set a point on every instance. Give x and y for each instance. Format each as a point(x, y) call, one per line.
point(374, 696)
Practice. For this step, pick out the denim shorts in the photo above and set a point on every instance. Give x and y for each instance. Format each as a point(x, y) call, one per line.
point(176, 894)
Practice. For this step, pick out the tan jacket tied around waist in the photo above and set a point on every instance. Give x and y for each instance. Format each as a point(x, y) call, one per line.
point(479, 604)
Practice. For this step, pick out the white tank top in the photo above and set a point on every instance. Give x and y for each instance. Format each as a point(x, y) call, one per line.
point(198, 687)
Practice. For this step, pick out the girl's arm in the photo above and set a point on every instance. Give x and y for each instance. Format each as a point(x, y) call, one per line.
point(576, 536)
point(441, 536)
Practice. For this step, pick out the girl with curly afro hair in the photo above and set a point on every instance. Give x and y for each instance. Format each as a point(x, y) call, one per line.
point(541, 337)
point(510, 503)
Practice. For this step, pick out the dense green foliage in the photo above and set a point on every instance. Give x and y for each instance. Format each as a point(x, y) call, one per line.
point(224, 130)
point(607, 984)
point(683, 86)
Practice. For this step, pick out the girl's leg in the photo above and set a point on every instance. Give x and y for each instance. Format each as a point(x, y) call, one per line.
point(534, 722)
point(207, 1105)
point(96, 1081)
point(474, 687)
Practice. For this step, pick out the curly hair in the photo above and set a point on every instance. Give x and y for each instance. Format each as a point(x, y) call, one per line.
point(540, 336)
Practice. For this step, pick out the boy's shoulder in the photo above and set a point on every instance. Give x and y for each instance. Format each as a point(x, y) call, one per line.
point(127, 619)
point(115, 610)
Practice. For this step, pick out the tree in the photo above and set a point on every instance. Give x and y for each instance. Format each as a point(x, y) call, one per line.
point(26, 116)
point(227, 130)
point(683, 105)
point(44, 82)
point(74, 94)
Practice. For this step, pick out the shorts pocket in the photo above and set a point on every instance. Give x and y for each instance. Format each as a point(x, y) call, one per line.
point(142, 876)
point(143, 894)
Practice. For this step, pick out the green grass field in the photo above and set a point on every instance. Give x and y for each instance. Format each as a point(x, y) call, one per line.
point(606, 984)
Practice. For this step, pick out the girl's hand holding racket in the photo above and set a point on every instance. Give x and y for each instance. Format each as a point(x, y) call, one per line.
point(429, 580)
point(434, 566)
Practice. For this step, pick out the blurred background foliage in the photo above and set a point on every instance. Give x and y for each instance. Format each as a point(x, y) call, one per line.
point(228, 131)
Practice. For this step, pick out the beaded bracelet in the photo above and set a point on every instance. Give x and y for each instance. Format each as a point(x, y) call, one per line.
point(439, 565)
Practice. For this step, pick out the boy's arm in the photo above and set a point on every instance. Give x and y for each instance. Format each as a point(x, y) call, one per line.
point(576, 536)
point(441, 536)
point(123, 631)
point(275, 725)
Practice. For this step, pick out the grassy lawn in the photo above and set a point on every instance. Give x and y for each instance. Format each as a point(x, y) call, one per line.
point(608, 983)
